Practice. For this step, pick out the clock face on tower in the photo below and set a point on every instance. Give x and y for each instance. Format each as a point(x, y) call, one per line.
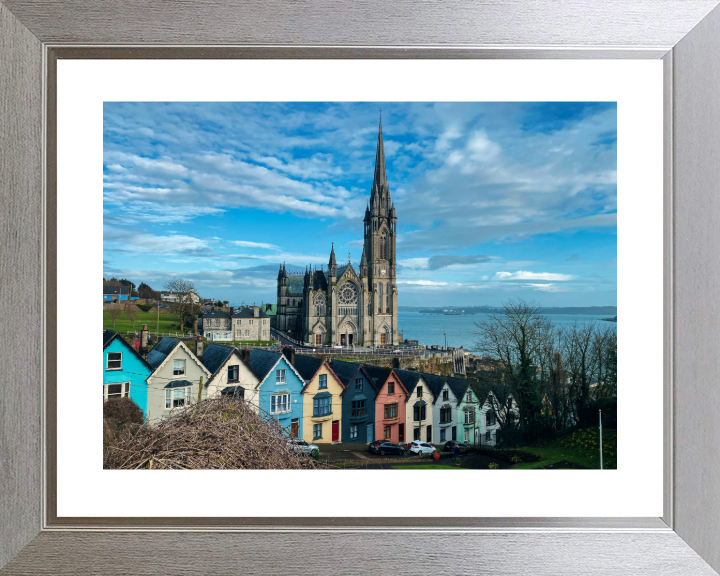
point(382, 272)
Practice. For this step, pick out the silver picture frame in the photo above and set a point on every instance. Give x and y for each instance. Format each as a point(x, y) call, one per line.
point(685, 34)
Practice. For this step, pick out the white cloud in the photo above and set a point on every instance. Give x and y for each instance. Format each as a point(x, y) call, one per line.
point(247, 244)
point(524, 275)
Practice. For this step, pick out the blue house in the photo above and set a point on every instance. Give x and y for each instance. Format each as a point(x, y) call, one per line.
point(115, 293)
point(358, 402)
point(279, 389)
point(125, 372)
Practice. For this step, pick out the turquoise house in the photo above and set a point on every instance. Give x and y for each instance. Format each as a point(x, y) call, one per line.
point(125, 373)
point(279, 391)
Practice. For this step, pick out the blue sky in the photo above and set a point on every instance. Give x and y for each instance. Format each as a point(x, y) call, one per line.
point(494, 200)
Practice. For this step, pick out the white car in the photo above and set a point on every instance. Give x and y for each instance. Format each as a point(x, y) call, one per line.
point(298, 444)
point(420, 448)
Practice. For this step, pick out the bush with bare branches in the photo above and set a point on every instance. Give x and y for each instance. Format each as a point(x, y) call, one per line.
point(218, 433)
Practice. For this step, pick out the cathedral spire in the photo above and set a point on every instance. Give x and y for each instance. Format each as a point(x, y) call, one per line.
point(380, 184)
point(333, 263)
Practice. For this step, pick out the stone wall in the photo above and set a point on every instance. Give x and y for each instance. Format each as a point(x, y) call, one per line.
point(428, 365)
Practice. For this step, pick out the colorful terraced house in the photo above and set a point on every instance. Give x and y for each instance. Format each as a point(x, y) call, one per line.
point(322, 399)
point(390, 405)
point(418, 405)
point(468, 412)
point(125, 372)
point(358, 402)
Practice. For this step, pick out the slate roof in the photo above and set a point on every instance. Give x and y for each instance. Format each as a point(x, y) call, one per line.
point(378, 375)
point(262, 361)
point(161, 351)
point(459, 386)
point(215, 355)
point(248, 313)
point(409, 378)
point(319, 280)
point(109, 336)
point(116, 290)
point(307, 366)
point(347, 371)
point(295, 284)
point(216, 315)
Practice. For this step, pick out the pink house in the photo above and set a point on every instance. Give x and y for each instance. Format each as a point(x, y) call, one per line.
point(389, 404)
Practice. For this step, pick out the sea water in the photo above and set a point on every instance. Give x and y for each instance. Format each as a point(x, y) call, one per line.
point(428, 329)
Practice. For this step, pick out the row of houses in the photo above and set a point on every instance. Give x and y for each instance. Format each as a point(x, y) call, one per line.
point(319, 400)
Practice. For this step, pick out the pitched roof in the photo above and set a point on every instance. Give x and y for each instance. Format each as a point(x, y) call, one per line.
point(459, 386)
point(249, 313)
point(270, 309)
point(216, 315)
point(379, 375)
point(215, 355)
point(307, 366)
point(110, 335)
point(162, 350)
point(295, 284)
point(319, 280)
point(116, 290)
point(347, 372)
point(262, 361)
point(409, 378)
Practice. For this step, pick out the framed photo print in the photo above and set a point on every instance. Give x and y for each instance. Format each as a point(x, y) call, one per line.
point(436, 284)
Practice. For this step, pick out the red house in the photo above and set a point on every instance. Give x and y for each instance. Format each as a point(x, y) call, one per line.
point(389, 404)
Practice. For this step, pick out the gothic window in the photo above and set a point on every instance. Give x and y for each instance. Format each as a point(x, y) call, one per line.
point(348, 299)
point(319, 305)
point(383, 247)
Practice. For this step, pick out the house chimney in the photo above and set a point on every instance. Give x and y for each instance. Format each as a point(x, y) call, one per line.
point(144, 341)
point(256, 311)
point(232, 310)
point(195, 326)
point(289, 353)
point(199, 348)
point(245, 355)
point(212, 308)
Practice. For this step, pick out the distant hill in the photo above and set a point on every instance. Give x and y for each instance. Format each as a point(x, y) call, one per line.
point(597, 310)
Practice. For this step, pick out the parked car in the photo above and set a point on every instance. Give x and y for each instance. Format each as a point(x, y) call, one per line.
point(420, 448)
point(300, 445)
point(381, 447)
point(450, 444)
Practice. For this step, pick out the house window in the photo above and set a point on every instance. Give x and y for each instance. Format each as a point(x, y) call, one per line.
point(391, 388)
point(386, 430)
point(178, 367)
point(490, 419)
point(358, 385)
point(233, 373)
point(280, 377)
point(321, 406)
point(114, 361)
point(445, 414)
point(358, 408)
point(419, 391)
point(247, 332)
point(177, 397)
point(323, 381)
point(419, 413)
point(239, 322)
point(470, 416)
point(467, 436)
point(468, 396)
point(446, 395)
point(251, 322)
point(264, 322)
point(442, 435)
point(280, 403)
point(116, 390)
point(317, 431)
point(353, 431)
point(391, 410)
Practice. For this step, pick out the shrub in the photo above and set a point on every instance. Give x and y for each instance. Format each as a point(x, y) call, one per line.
point(144, 307)
point(493, 465)
point(122, 411)
point(516, 460)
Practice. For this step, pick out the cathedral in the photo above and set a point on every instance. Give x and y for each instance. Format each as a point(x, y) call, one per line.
point(341, 306)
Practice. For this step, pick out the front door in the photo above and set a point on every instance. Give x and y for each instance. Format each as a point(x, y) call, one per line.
point(454, 432)
point(350, 339)
point(382, 339)
point(294, 428)
point(429, 435)
point(401, 432)
point(343, 340)
point(336, 431)
point(370, 433)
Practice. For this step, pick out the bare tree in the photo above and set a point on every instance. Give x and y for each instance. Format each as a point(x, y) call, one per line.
point(131, 313)
point(516, 337)
point(114, 311)
point(184, 306)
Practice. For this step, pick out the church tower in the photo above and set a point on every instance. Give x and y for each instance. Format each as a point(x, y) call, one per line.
point(379, 260)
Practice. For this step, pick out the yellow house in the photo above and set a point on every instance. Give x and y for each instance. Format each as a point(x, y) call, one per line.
point(322, 401)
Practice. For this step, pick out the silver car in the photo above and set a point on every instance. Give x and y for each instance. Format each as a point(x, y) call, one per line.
point(298, 444)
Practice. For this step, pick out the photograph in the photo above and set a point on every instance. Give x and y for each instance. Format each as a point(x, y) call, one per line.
point(360, 285)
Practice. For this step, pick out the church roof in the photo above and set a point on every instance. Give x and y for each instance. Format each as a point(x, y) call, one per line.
point(295, 284)
point(319, 280)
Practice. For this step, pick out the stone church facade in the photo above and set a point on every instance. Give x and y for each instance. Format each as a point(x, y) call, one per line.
point(342, 305)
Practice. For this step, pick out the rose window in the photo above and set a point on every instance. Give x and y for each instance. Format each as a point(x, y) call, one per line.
point(348, 299)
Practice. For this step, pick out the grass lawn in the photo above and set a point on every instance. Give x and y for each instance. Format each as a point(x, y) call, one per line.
point(581, 447)
point(150, 318)
point(425, 467)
